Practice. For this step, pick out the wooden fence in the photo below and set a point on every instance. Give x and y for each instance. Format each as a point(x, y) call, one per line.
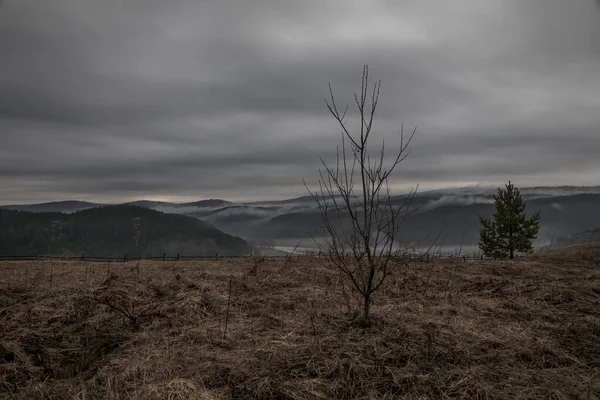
point(179, 257)
point(125, 258)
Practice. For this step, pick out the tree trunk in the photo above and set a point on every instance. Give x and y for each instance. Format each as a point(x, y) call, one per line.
point(367, 307)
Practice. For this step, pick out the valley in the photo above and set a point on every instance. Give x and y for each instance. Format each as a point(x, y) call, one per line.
point(449, 215)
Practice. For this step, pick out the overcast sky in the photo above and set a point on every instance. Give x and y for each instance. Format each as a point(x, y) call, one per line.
point(116, 100)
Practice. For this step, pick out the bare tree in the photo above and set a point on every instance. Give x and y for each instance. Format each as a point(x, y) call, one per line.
point(361, 219)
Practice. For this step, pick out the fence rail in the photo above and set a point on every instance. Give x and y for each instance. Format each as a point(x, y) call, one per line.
point(179, 257)
point(125, 258)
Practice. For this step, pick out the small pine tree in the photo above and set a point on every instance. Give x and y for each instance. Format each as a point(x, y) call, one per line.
point(510, 231)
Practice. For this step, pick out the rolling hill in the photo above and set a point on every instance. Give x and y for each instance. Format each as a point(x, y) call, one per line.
point(565, 210)
point(68, 206)
point(455, 215)
point(108, 231)
point(585, 237)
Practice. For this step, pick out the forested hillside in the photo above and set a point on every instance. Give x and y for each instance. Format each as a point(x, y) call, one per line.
point(109, 231)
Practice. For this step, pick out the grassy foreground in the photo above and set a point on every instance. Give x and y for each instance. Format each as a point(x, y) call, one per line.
point(528, 329)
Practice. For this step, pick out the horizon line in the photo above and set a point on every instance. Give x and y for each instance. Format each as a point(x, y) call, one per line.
point(280, 200)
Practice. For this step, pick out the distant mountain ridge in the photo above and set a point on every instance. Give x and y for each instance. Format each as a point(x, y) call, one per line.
point(480, 193)
point(66, 206)
point(565, 210)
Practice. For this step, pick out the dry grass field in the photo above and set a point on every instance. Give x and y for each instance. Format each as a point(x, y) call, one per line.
point(526, 329)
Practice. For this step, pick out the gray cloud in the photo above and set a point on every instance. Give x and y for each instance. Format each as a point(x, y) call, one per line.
point(183, 100)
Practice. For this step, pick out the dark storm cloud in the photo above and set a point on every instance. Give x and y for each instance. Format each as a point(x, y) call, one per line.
point(189, 99)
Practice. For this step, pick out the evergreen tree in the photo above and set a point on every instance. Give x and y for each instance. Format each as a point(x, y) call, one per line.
point(510, 231)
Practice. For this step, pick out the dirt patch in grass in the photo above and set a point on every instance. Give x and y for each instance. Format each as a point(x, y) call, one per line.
point(524, 329)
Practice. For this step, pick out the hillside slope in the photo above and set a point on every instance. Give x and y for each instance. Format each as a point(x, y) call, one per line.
point(584, 237)
point(561, 215)
point(109, 231)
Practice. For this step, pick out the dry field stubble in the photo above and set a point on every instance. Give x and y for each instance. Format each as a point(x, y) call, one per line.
point(528, 329)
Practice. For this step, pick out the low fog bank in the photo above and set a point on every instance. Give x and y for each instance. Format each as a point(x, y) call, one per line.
point(439, 250)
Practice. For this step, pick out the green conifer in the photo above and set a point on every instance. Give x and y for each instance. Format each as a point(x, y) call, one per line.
point(510, 231)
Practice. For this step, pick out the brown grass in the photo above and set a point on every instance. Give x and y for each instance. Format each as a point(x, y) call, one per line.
point(528, 329)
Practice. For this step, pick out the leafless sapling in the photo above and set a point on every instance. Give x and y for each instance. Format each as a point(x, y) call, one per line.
point(361, 220)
